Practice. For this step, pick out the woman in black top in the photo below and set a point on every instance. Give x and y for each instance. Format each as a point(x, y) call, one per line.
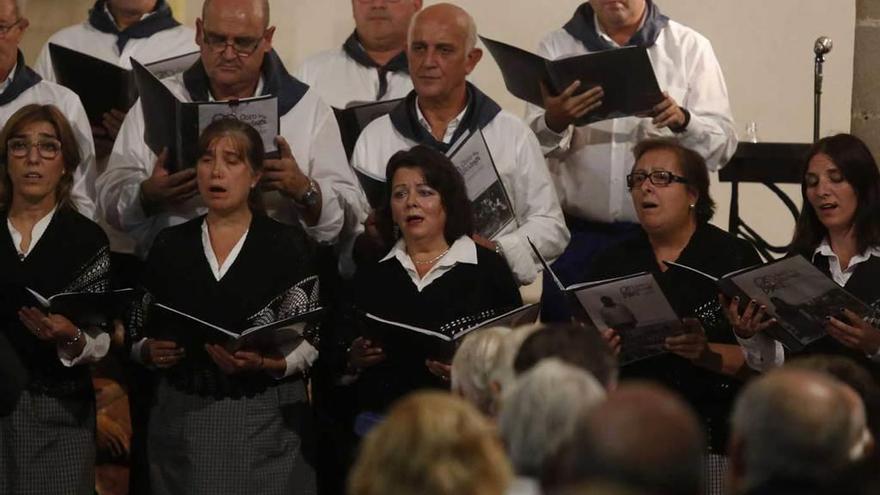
point(839, 230)
point(435, 277)
point(228, 421)
point(47, 441)
point(669, 186)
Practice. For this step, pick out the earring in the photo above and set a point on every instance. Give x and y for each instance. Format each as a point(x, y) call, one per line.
point(253, 185)
point(692, 206)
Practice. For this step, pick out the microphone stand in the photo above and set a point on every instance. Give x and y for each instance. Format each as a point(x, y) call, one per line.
point(817, 93)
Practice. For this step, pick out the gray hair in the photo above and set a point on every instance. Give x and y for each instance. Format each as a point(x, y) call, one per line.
point(473, 365)
point(793, 425)
point(504, 373)
point(470, 25)
point(540, 412)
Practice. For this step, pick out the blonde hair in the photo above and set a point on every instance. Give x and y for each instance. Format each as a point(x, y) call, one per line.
point(474, 364)
point(431, 443)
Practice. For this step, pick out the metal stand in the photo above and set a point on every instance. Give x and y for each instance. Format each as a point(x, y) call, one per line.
point(817, 94)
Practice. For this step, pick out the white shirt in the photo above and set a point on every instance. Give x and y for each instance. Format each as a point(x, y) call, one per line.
point(589, 164)
point(463, 250)
point(517, 156)
point(84, 38)
point(82, 194)
point(299, 355)
point(450, 128)
point(339, 80)
point(97, 343)
point(838, 274)
point(6, 82)
point(310, 129)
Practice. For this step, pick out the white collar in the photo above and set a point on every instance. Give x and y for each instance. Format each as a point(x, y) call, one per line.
point(463, 250)
point(839, 274)
point(36, 233)
point(216, 268)
point(113, 19)
point(5, 84)
point(601, 31)
point(450, 128)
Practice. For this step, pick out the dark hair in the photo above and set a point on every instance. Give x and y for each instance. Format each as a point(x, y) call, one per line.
point(30, 114)
point(246, 140)
point(442, 176)
point(858, 167)
point(578, 346)
point(693, 168)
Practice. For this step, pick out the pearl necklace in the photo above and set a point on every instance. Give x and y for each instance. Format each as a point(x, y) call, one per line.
point(430, 261)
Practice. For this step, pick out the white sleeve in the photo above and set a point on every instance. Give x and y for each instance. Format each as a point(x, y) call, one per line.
point(97, 343)
point(299, 355)
point(329, 168)
point(43, 64)
point(538, 211)
point(118, 188)
point(83, 192)
point(711, 131)
point(762, 353)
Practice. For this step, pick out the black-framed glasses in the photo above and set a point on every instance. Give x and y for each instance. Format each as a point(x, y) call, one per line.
point(243, 46)
point(657, 177)
point(5, 28)
point(47, 148)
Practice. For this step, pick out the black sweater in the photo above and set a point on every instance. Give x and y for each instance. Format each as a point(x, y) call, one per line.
point(466, 291)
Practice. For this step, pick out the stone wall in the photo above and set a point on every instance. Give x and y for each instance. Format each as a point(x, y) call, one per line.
point(866, 76)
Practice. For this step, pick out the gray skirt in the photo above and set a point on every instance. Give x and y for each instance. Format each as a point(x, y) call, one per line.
point(256, 445)
point(47, 445)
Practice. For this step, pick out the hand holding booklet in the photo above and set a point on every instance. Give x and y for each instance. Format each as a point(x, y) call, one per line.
point(84, 309)
point(795, 292)
point(633, 305)
point(440, 344)
point(192, 333)
point(626, 76)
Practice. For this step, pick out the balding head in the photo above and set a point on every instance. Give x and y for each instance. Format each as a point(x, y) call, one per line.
point(641, 435)
point(244, 10)
point(792, 425)
point(441, 52)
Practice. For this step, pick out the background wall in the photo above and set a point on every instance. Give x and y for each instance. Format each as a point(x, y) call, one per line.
point(765, 49)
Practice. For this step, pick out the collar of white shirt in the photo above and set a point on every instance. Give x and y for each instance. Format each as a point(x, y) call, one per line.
point(36, 233)
point(450, 129)
point(110, 15)
point(604, 35)
point(463, 250)
point(257, 92)
point(838, 273)
point(216, 268)
point(5, 84)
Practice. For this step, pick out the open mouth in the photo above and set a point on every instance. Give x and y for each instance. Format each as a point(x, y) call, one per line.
point(217, 189)
point(33, 176)
point(414, 219)
point(649, 205)
point(827, 206)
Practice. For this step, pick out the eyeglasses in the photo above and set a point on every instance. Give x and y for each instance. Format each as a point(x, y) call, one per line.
point(386, 1)
point(5, 28)
point(243, 46)
point(47, 148)
point(657, 177)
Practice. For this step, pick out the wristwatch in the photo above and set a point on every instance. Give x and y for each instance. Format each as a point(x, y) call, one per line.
point(310, 198)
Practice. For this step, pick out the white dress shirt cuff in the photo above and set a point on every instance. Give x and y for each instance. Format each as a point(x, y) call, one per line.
point(762, 352)
point(136, 351)
point(326, 231)
point(549, 139)
point(131, 212)
point(519, 257)
point(298, 355)
point(97, 343)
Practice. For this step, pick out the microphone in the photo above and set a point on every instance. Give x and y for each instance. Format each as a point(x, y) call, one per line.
point(822, 46)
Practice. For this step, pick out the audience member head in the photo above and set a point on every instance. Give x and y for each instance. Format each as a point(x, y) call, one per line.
point(11, 15)
point(475, 361)
point(669, 186)
point(504, 375)
point(617, 14)
point(234, 37)
point(426, 198)
point(39, 153)
point(129, 12)
point(642, 436)
point(382, 26)
point(841, 192)
point(431, 443)
point(791, 426)
point(539, 413)
point(441, 48)
point(229, 166)
point(576, 345)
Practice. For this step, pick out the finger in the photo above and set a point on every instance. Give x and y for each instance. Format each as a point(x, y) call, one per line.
point(371, 351)
point(164, 344)
point(118, 114)
point(589, 109)
point(843, 337)
point(98, 131)
point(372, 360)
point(275, 175)
point(749, 311)
point(570, 90)
point(272, 165)
point(283, 148)
point(182, 177)
point(183, 189)
point(588, 97)
point(854, 319)
point(159, 169)
point(665, 117)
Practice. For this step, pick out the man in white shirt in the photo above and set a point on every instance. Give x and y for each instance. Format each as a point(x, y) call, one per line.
point(311, 183)
point(371, 65)
point(589, 163)
point(117, 31)
point(443, 107)
point(20, 86)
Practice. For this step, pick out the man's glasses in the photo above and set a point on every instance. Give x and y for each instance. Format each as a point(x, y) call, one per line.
point(5, 28)
point(243, 46)
point(47, 148)
point(657, 177)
